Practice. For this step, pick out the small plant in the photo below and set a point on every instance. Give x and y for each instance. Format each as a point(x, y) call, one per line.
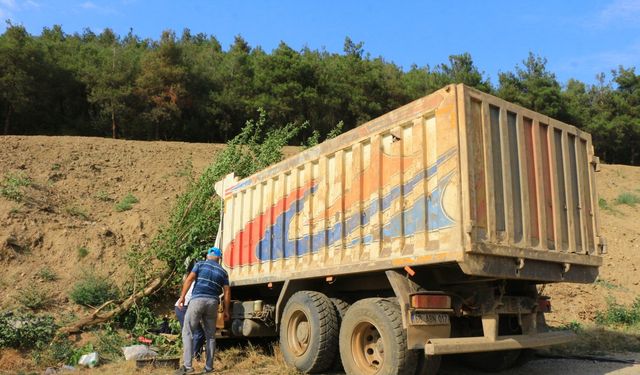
point(606, 284)
point(26, 331)
point(76, 211)
point(46, 274)
point(55, 167)
point(186, 170)
point(82, 252)
point(126, 203)
point(92, 290)
point(11, 186)
point(574, 326)
point(630, 199)
point(602, 203)
point(34, 298)
point(619, 315)
point(103, 196)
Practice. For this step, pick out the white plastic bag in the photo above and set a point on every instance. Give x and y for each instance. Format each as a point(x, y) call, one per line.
point(89, 360)
point(138, 352)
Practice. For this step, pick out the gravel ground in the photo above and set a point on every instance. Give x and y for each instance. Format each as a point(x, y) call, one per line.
point(561, 367)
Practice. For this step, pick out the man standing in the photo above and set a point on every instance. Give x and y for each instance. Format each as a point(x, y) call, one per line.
point(210, 281)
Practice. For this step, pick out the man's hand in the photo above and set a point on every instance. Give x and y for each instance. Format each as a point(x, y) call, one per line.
point(181, 303)
point(226, 316)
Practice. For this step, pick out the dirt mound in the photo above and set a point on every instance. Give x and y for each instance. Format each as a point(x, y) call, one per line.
point(66, 221)
point(619, 279)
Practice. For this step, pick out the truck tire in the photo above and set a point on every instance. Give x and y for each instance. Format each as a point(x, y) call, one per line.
point(341, 309)
point(372, 340)
point(427, 364)
point(309, 332)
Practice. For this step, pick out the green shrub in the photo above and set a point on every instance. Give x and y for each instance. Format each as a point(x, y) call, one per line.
point(602, 203)
point(617, 314)
point(26, 331)
point(82, 252)
point(11, 186)
point(46, 274)
point(92, 291)
point(34, 298)
point(630, 199)
point(126, 203)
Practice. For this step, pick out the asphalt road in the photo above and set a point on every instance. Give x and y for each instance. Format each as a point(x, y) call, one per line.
point(544, 366)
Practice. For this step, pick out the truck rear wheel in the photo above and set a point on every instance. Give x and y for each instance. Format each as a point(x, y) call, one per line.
point(309, 332)
point(372, 340)
point(341, 309)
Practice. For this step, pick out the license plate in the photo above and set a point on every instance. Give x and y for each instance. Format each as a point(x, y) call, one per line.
point(429, 319)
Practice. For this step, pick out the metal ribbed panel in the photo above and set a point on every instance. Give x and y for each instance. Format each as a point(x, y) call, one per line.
point(531, 178)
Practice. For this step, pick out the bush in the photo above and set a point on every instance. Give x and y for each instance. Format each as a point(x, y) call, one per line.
point(11, 185)
point(82, 252)
point(92, 291)
point(26, 331)
point(617, 314)
point(46, 274)
point(34, 298)
point(630, 199)
point(126, 203)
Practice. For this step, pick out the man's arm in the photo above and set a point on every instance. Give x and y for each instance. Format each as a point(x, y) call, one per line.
point(227, 302)
point(185, 288)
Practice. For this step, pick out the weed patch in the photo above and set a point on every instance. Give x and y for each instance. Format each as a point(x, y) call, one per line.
point(12, 184)
point(46, 274)
point(620, 315)
point(26, 331)
point(34, 298)
point(598, 340)
point(82, 252)
point(126, 203)
point(628, 198)
point(606, 284)
point(76, 211)
point(92, 290)
point(103, 196)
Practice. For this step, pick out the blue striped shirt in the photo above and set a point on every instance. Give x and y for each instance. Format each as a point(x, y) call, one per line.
point(210, 278)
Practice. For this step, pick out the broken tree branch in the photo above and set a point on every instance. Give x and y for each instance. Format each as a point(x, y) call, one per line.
point(96, 317)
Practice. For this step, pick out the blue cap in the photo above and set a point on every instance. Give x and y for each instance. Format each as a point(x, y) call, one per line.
point(214, 251)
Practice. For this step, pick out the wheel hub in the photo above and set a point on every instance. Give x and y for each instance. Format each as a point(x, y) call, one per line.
point(299, 333)
point(367, 348)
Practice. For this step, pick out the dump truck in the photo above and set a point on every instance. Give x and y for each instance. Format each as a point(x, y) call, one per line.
point(421, 233)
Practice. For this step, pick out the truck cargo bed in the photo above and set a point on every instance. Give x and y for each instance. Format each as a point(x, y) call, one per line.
point(457, 177)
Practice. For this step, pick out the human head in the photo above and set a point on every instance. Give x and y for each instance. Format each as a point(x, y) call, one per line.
point(214, 253)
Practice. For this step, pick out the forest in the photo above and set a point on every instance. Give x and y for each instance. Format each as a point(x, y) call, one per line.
point(190, 88)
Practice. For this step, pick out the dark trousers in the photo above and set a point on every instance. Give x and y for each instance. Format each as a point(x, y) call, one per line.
point(198, 334)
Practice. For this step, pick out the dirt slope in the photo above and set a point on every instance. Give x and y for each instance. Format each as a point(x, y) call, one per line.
point(76, 182)
point(619, 277)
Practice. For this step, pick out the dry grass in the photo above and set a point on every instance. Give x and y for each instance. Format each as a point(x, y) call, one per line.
point(600, 340)
point(243, 359)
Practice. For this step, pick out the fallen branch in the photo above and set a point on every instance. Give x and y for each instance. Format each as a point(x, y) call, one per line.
point(96, 317)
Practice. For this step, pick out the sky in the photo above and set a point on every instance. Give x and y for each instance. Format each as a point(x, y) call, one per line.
point(579, 38)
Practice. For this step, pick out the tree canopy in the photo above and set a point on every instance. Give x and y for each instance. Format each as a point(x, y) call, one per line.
point(190, 88)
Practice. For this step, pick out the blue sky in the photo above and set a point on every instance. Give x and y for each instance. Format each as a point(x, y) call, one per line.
point(579, 38)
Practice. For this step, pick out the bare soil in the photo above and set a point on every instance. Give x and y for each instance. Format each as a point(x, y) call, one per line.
point(77, 181)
